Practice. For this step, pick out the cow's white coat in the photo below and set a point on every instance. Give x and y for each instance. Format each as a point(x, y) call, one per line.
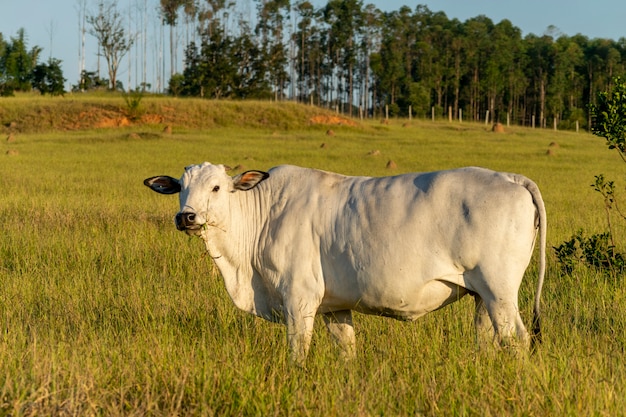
point(303, 241)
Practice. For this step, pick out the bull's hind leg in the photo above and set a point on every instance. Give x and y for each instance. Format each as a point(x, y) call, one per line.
point(497, 283)
point(507, 322)
point(339, 325)
point(484, 329)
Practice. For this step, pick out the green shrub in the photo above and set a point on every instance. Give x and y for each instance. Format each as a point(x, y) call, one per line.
point(133, 104)
point(595, 251)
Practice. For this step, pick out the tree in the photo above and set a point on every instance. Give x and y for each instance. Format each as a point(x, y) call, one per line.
point(609, 117)
point(108, 28)
point(477, 46)
point(541, 53)
point(500, 66)
point(48, 78)
point(169, 10)
point(89, 80)
point(210, 71)
point(345, 20)
point(270, 30)
point(387, 64)
point(250, 79)
point(304, 47)
point(344, 53)
point(17, 64)
point(600, 250)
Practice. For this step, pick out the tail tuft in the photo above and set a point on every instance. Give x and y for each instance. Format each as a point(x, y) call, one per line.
point(536, 338)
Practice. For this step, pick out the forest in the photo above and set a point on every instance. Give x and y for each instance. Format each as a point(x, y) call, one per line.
point(355, 59)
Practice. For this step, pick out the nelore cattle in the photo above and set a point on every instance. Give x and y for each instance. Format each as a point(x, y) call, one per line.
point(295, 242)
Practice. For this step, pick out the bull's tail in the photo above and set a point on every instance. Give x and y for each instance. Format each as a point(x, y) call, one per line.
point(543, 227)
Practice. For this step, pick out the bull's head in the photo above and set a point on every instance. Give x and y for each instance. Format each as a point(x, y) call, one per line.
point(204, 191)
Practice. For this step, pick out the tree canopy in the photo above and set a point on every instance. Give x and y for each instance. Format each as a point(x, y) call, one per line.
point(355, 58)
point(16, 63)
point(350, 56)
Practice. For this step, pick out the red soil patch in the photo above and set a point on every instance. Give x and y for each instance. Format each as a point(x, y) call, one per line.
point(152, 118)
point(112, 122)
point(332, 120)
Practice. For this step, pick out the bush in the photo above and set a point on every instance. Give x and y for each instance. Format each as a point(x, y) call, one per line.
point(48, 78)
point(133, 103)
point(596, 251)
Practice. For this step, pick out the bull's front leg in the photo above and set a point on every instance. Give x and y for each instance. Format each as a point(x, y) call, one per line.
point(339, 325)
point(299, 318)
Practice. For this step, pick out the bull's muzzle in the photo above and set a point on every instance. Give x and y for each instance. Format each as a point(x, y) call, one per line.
point(186, 221)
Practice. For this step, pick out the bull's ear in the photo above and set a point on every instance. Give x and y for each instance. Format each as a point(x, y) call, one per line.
point(163, 184)
point(249, 179)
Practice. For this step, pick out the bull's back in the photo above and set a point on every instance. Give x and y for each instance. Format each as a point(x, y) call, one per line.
point(429, 212)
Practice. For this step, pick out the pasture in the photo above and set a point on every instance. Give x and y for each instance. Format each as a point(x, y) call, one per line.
point(106, 309)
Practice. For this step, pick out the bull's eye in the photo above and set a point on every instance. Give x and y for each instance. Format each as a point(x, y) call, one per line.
point(216, 188)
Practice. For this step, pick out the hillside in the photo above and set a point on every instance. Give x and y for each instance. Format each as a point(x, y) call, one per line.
point(36, 114)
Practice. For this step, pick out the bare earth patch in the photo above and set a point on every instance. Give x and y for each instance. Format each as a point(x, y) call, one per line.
point(332, 120)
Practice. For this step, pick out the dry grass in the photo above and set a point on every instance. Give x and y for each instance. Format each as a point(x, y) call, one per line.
point(29, 113)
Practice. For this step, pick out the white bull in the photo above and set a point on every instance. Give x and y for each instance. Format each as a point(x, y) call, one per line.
point(294, 242)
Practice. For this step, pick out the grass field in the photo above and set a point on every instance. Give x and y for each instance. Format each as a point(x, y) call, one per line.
point(106, 309)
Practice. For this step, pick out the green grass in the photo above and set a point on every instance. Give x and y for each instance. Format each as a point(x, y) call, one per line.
point(106, 309)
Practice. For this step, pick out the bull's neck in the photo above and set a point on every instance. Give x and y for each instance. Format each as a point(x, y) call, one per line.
point(232, 245)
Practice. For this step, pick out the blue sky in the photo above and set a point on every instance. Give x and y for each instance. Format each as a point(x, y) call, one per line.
point(53, 25)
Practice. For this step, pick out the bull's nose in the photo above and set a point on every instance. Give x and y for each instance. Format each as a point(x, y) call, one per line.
point(185, 220)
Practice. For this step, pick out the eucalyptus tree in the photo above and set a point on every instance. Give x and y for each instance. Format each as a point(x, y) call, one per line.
point(270, 29)
point(457, 64)
point(500, 67)
point(210, 14)
point(190, 12)
point(169, 13)
point(431, 54)
point(477, 43)
point(306, 40)
point(388, 64)
point(566, 84)
point(107, 26)
point(541, 53)
point(370, 42)
point(344, 19)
